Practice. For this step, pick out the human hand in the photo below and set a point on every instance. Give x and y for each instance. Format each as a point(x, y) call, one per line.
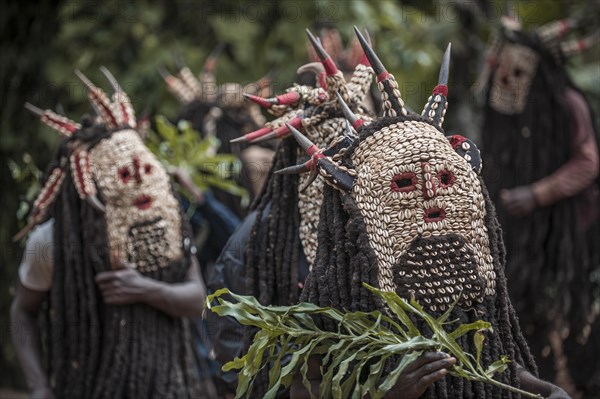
point(518, 201)
point(123, 286)
point(418, 376)
point(558, 393)
point(183, 178)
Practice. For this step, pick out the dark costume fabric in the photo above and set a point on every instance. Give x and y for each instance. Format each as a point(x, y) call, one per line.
point(405, 210)
point(112, 202)
point(538, 133)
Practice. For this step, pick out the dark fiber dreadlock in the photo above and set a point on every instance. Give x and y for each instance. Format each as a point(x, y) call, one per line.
point(273, 249)
point(346, 259)
point(103, 351)
point(550, 256)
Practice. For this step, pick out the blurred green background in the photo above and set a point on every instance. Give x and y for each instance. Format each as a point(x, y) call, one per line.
point(43, 42)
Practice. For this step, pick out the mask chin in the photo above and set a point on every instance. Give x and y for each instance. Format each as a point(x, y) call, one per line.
point(435, 270)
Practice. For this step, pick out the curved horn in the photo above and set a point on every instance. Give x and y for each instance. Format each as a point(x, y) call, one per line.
point(315, 67)
point(436, 106)
point(318, 69)
point(100, 100)
point(122, 107)
point(64, 126)
point(95, 202)
point(392, 100)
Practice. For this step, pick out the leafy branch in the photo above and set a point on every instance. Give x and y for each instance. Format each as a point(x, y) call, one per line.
point(182, 147)
point(364, 343)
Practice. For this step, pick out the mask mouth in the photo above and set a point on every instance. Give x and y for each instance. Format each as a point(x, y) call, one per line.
point(143, 202)
point(434, 214)
point(437, 270)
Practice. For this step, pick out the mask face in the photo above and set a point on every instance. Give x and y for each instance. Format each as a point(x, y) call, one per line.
point(512, 79)
point(424, 211)
point(142, 215)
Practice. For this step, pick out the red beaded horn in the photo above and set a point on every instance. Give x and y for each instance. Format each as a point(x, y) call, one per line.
point(100, 101)
point(122, 107)
point(64, 126)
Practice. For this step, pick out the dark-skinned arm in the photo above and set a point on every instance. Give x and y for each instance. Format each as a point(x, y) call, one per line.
point(126, 286)
point(530, 383)
point(412, 383)
point(24, 313)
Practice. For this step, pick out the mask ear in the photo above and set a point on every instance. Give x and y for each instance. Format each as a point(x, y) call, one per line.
point(467, 150)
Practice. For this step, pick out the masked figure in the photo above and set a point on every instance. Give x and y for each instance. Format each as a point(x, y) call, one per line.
point(540, 146)
point(121, 275)
point(271, 253)
point(405, 210)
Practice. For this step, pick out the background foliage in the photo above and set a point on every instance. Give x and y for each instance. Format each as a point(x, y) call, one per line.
point(43, 42)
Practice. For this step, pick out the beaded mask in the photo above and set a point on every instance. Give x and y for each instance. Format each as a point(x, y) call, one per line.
point(317, 112)
point(419, 196)
point(122, 179)
point(228, 96)
point(514, 55)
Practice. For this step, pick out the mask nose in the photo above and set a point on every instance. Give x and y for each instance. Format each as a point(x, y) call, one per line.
point(136, 168)
point(429, 187)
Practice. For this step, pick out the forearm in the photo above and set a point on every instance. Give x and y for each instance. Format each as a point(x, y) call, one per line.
point(177, 300)
point(530, 383)
point(26, 340)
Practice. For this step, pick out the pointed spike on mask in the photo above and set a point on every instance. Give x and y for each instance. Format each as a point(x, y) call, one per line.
point(364, 60)
point(311, 178)
point(250, 137)
point(330, 67)
point(377, 65)
point(445, 68)
point(178, 57)
point(307, 145)
point(263, 102)
point(348, 129)
point(295, 169)
point(35, 110)
point(436, 106)
point(163, 72)
point(63, 125)
point(100, 101)
point(213, 57)
point(348, 114)
point(111, 79)
point(122, 103)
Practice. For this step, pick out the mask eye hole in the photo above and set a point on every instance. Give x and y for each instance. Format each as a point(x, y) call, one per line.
point(125, 174)
point(518, 72)
point(404, 182)
point(445, 178)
